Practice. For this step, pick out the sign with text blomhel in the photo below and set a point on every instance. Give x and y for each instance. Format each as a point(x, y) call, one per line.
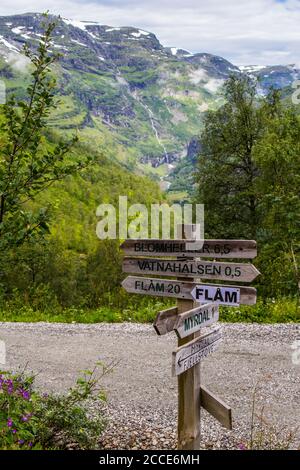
point(197, 308)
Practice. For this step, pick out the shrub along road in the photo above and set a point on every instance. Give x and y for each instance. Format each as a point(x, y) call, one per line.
point(142, 395)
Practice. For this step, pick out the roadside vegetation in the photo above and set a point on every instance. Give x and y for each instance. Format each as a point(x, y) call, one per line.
point(30, 420)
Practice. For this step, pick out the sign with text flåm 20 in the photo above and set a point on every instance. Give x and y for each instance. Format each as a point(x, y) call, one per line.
point(192, 353)
point(224, 295)
point(192, 320)
point(191, 248)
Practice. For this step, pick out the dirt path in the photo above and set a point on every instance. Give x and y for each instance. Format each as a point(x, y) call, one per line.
point(141, 390)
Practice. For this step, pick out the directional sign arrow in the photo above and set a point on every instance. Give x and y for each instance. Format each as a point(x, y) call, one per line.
point(192, 353)
point(239, 272)
point(165, 320)
point(192, 320)
point(190, 248)
point(203, 293)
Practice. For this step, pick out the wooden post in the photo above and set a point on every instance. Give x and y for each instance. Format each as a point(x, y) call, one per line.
point(188, 384)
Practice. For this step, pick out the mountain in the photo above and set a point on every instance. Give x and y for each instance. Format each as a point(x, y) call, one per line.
point(125, 92)
point(276, 76)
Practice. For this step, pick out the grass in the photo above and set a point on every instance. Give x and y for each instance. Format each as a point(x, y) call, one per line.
point(283, 310)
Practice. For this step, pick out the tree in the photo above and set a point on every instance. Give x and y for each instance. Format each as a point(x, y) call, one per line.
point(277, 155)
point(249, 177)
point(29, 164)
point(227, 171)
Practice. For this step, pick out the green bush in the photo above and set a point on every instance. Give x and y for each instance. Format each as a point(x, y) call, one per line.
point(282, 310)
point(141, 309)
point(29, 420)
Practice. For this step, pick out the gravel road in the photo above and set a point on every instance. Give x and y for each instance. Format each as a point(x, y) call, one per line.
point(142, 394)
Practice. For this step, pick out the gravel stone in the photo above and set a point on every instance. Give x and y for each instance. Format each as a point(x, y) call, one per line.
point(142, 394)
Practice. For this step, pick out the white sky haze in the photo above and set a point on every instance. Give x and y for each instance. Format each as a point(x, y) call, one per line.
point(243, 31)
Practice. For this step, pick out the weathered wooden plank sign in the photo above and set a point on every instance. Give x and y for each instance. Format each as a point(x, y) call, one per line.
point(183, 268)
point(192, 353)
point(224, 295)
point(165, 320)
point(182, 248)
point(191, 321)
point(216, 407)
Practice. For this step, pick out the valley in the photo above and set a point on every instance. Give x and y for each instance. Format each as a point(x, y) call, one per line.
point(123, 92)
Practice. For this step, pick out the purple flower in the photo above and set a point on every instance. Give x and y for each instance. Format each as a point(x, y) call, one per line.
point(242, 446)
point(30, 444)
point(14, 431)
point(24, 393)
point(9, 423)
point(21, 441)
point(26, 417)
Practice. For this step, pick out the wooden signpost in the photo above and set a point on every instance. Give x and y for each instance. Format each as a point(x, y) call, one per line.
point(197, 307)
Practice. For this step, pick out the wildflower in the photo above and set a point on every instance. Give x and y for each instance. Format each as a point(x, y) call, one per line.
point(14, 431)
point(26, 417)
point(24, 393)
point(21, 441)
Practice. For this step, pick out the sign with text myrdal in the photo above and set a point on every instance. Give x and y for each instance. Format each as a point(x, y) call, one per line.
point(192, 353)
point(192, 320)
point(224, 295)
point(182, 248)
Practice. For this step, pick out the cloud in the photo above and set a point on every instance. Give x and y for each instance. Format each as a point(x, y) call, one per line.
point(18, 61)
point(242, 31)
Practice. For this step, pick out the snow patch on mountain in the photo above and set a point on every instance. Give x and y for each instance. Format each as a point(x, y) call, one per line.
point(77, 24)
point(140, 33)
point(109, 30)
point(11, 47)
point(251, 68)
point(78, 42)
point(18, 29)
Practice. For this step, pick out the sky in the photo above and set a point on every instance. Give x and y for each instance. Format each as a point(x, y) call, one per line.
point(245, 32)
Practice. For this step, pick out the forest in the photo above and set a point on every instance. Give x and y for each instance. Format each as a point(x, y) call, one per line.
point(54, 268)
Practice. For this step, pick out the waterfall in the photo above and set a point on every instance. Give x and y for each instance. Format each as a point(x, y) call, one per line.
point(151, 117)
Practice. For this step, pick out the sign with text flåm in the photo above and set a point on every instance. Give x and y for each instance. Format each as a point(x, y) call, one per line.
point(192, 353)
point(183, 268)
point(191, 248)
point(192, 320)
point(224, 295)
